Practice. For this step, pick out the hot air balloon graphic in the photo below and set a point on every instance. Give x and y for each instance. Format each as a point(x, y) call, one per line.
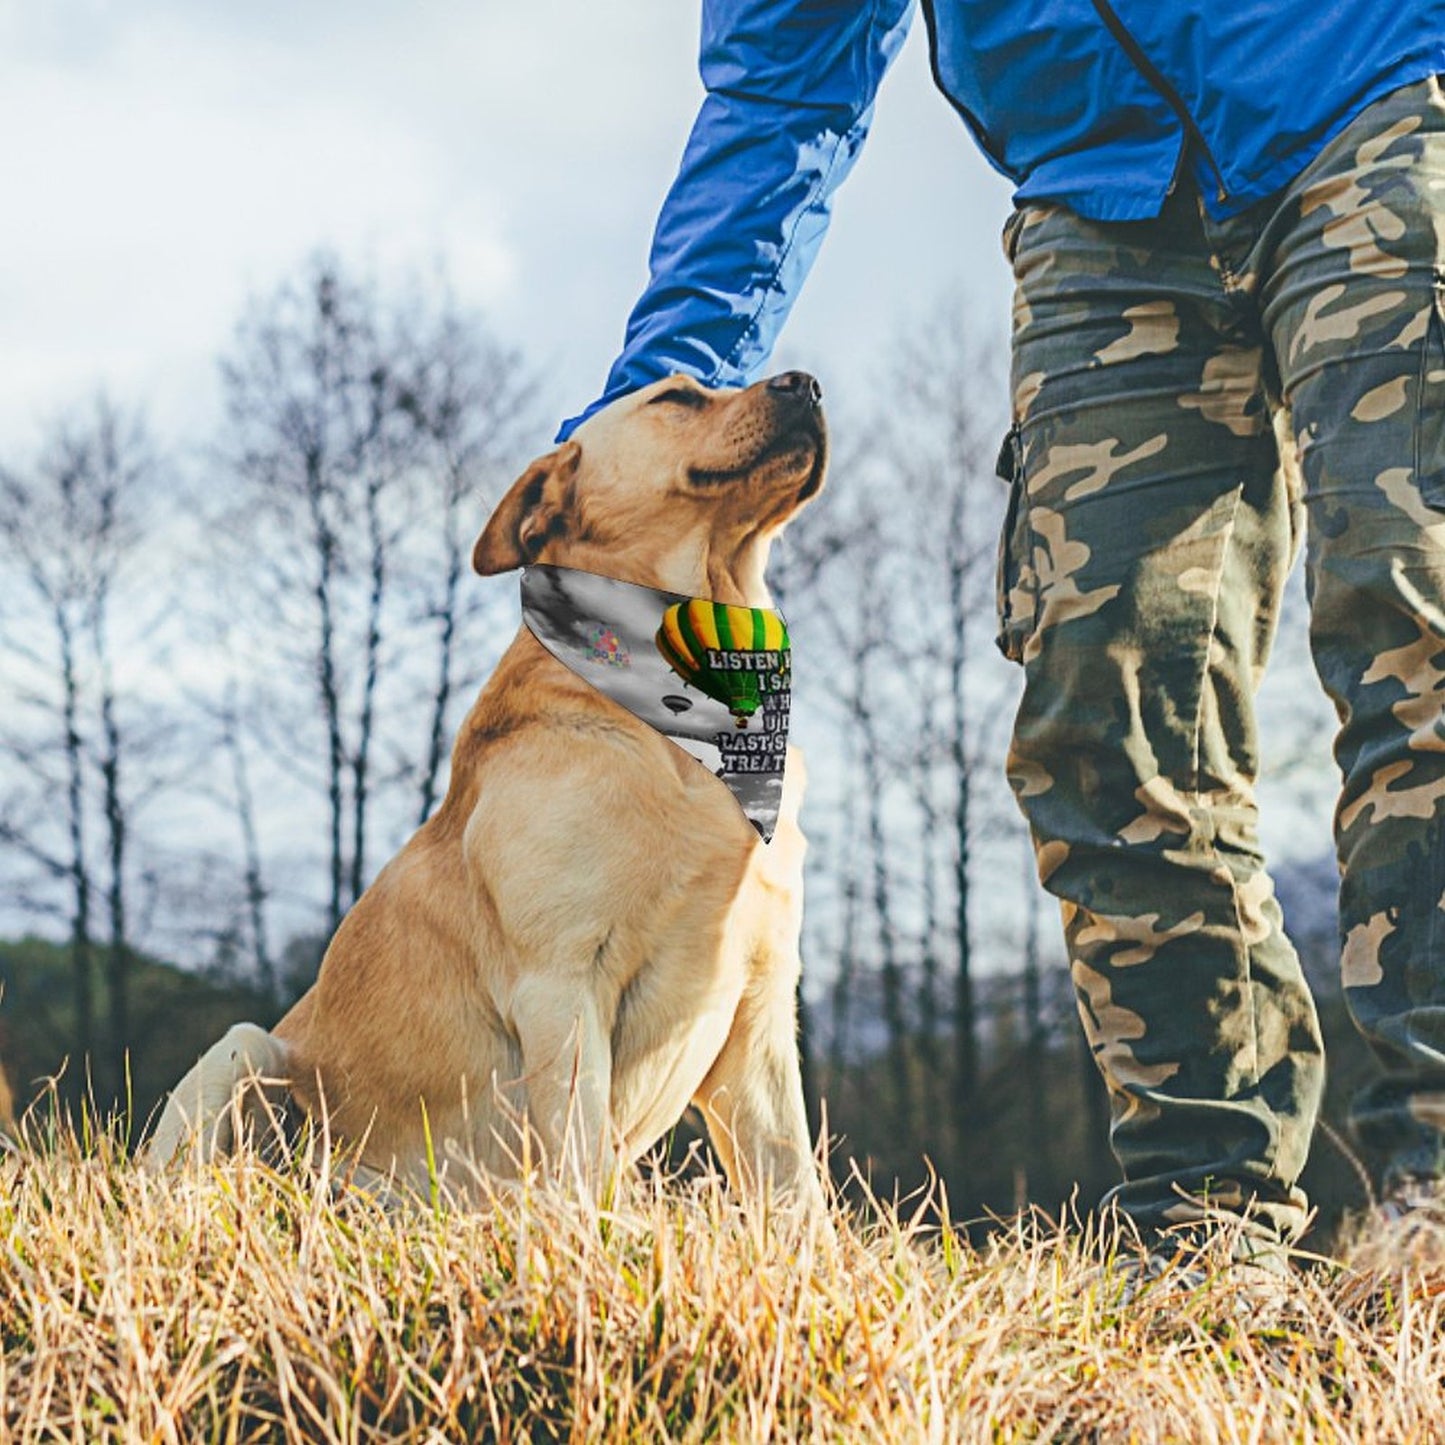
point(675, 703)
point(732, 654)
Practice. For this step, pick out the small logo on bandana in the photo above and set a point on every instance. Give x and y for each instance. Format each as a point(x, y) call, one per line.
point(714, 677)
point(607, 647)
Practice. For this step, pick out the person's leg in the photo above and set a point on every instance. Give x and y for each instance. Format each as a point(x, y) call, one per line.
point(1141, 587)
point(1355, 305)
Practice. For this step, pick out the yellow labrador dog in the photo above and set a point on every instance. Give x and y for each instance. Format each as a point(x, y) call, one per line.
point(589, 934)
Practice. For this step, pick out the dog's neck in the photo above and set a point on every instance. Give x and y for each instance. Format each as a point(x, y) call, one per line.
point(745, 586)
point(724, 570)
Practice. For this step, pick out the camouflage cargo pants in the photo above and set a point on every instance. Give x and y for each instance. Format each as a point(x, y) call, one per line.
point(1150, 533)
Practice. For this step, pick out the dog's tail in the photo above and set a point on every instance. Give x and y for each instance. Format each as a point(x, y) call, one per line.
point(238, 1086)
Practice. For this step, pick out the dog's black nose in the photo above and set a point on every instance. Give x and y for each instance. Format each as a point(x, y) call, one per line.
point(797, 384)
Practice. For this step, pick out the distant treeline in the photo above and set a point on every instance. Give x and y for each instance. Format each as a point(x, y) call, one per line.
point(1035, 1131)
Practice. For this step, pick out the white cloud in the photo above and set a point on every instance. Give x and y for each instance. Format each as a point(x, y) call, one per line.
point(167, 159)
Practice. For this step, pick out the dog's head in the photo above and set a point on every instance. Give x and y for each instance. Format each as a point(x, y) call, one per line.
point(675, 486)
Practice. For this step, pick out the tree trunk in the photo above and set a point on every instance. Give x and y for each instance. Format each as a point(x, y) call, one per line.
point(928, 973)
point(361, 761)
point(965, 1027)
point(255, 883)
point(118, 954)
point(325, 543)
point(441, 698)
point(895, 1014)
point(842, 992)
point(80, 944)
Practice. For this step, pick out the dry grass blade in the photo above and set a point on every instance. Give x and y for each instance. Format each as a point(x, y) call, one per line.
point(248, 1302)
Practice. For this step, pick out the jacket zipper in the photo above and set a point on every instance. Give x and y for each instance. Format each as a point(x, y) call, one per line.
point(1155, 77)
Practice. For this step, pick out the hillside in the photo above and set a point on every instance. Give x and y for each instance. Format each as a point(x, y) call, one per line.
point(173, 1016)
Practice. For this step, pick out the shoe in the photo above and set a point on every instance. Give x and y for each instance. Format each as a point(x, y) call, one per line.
point(1247, 1280)
point(1406, 1229)
point(1394, 1250)
point(1155, 1275)
point(1415, 1201)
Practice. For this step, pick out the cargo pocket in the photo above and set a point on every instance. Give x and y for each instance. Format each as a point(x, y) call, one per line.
point(1015, 583)
point(1430, 410)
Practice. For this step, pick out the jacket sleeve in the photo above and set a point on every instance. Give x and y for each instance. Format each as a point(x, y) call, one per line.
point(790, 88)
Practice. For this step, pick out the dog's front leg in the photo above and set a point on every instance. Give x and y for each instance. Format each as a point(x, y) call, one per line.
point(752, 1099)
point(567, 1058)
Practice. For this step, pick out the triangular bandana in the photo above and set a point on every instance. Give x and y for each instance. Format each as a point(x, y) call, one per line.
point(715, 678)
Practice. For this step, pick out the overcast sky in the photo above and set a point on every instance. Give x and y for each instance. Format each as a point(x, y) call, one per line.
point(166, 158)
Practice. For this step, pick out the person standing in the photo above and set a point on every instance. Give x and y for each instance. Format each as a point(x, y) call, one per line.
point(1224, 213)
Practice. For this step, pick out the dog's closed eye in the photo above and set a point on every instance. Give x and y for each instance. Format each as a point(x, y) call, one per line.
point(679, 396)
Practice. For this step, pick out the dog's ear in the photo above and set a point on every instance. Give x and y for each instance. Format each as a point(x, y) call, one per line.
point(533, 512)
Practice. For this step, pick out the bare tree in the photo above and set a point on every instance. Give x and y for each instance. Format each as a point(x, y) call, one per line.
point(941, 441)
point(471, 400)
point(845, 966)
point(861, 701)
point(366, 436)
point(70, 526)
point(256, 892)
point(308, 391)
point(118, 461)
point(930, 838)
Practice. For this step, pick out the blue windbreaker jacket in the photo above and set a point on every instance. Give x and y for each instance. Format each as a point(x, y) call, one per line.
point(1097, 104)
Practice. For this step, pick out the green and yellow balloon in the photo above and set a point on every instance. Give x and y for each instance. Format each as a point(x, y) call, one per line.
point(731, 654)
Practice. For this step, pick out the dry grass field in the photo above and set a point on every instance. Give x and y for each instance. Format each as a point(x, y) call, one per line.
point(246, 1303)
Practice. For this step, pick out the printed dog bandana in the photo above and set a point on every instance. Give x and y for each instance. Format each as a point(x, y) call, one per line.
point(714, 678)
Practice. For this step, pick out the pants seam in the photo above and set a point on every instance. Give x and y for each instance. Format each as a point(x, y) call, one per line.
point(1271, 1154)
point(1197, 727)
